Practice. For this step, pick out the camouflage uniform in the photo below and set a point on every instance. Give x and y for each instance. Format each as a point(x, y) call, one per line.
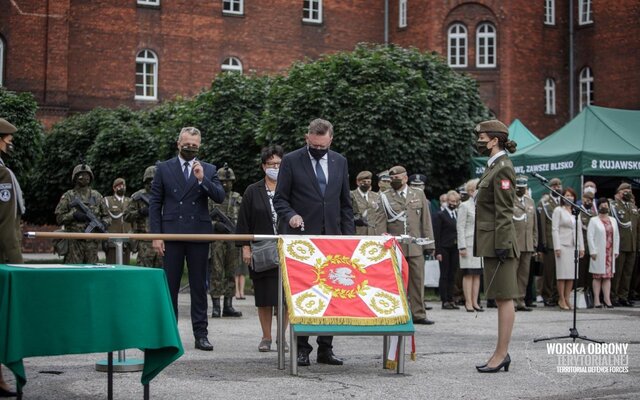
point(11, 207)
point(80, 251)
point(115, 206)
point(137, 214)
point(225, 258)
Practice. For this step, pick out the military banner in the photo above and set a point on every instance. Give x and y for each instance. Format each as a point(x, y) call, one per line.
point(344, 280)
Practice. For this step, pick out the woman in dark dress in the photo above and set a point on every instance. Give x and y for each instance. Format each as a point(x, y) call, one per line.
point(257, 217)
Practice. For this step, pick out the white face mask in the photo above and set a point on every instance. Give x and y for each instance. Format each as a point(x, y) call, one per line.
point(272, 173)
point(590, 189)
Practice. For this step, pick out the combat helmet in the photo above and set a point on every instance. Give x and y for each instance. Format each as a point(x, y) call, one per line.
point(81, 168)
point(149, 173)
point(226, 173)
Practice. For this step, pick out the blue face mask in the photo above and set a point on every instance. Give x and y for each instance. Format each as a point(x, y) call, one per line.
point(272, 173)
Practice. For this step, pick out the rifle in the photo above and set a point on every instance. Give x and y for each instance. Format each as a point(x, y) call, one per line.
point(141, 196)
point(217, 216)
point(94, 222)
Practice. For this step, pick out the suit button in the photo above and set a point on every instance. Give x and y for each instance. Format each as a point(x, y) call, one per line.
point(193, 203)
point(180, 217)
point(180, 203)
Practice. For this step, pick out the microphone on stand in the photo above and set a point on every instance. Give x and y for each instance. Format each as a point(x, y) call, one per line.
point(540, 177)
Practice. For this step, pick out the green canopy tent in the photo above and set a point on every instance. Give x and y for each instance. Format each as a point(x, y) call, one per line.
point(597, 142)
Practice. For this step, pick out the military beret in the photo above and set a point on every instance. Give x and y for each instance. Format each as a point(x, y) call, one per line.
point(623, 186)
point(418, 179)
point(397, 170)
point(119, 181)
point(555, 181)
point(492, 125)
point(6, 128)
point(588, 195)
point(364, 175)
point(384, 175)
point(521, 181)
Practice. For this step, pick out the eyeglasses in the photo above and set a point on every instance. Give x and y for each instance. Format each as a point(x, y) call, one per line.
point(272, 164)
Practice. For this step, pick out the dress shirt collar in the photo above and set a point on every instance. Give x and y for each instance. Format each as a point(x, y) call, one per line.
point(495, 157)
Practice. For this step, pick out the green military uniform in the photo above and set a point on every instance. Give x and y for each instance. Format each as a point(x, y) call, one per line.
point(546, 205)
point(80, 251)
point(225, 258)
point(626, 214)
point(494, 228)
point(11, 207)
point(410, 215)
point(137, 214)
point(115, 206)
point(365, 206)
point(525, 222)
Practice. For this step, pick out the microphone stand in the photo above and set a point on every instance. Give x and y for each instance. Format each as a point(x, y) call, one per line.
point(576, 210)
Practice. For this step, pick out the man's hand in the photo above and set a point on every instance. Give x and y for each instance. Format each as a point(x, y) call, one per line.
point(581, 253)
point(502, 254)
point(158, 246)
point(198, 172)
point(296, 222)
point(246, 254)
point(594, 256)
point(463, 252)
point(557, 251)
point(439, 257)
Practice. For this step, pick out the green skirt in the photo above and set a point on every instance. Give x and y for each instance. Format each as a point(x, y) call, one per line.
point(505, 283)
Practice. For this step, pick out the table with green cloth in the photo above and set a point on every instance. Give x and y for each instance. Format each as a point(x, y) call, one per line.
point(48, 311)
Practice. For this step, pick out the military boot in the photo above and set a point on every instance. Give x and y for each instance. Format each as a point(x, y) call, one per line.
point(215, 310)
point(228, 310)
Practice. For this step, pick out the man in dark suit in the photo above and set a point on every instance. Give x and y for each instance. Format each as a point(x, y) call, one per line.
point(178, 204)
point(446, 235)
point(312, 197)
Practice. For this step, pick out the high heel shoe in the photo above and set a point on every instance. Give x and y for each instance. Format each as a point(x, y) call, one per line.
point(479, 309)
point(505, 363)
point(7, 393)
point(608, 305)
point(469, 309)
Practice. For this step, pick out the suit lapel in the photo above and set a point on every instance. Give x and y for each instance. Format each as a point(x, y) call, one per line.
point(305, 160)
point(177, 173)
point(333, 171)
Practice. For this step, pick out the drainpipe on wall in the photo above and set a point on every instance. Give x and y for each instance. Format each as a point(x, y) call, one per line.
point(571, 61)
point(386, 21)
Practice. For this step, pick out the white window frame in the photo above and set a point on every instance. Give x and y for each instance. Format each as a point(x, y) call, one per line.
point(402, 13)
point(455, 49)
point(231, 4)
point(155, 3)
point(2, 47)
point(231, 64)
point(550, 96)
point(486, 41)
point(585, 11)
point(549, 12)
point(148, 59)
point(307, 12)
point(586, 87)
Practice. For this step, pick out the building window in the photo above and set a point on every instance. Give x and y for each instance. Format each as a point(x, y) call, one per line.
point(550, 12)
point(586, 87)
point(457, 45)
point(312, 11)
point(402, 14)
point(586, 16)
point(550, 96)
point(233, 7)
point(232, 64)
point(486, 46)
point(146, 75)
point(1, 62)
point(155, 3)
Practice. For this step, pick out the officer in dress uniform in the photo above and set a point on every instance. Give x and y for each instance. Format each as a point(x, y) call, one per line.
point(626, 214)
point(115, 206)
point(225, 256)
point(403, 210)
point(75, 219)
point(11, 209)
point(546, 205)
point(526, 224)
point(137, 214)
point(384, 181)
point(365, 204)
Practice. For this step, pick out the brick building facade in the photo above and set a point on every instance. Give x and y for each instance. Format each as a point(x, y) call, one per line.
point(74, 55)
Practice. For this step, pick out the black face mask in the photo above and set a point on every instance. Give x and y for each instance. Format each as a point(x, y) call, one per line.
point(317, 153)
point(603, 210)
point(365, 187)
point(396, 184)
point(452, 206)
point(481, 146)
point(120, 192)
point(520, 192)
point(626, 196)
point(464, 196)
point(588, 205)
point(188, 153)
point(556, 193)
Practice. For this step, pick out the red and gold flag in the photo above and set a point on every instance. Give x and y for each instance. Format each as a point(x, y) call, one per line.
point(344, 280)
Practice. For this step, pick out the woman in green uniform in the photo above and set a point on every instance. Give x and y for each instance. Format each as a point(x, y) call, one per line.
point(495, 235)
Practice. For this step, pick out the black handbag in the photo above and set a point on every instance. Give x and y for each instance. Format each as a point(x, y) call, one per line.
point(264, 255)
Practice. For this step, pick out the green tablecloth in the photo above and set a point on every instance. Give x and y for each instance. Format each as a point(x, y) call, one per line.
point(86, 310)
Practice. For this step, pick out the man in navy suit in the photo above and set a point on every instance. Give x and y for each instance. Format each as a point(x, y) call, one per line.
point(178, 204)
point(445, 232)
point(312, 197)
